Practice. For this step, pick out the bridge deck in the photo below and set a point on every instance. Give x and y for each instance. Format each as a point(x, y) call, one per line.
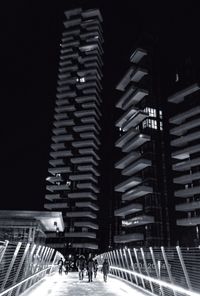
point(58, 285)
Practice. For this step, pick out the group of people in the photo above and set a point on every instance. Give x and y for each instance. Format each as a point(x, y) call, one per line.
point(90, 266)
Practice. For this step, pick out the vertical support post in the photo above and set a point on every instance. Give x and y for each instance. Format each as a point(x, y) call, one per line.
point(19, 269)
point(127, 264)
point(11, 265)
point(168, 269)
point(117, 265)
point(146, 268)
point(184, 268)
point(110, 259)
point(138, 266)
point(29, 266)
point(54, 260)
point(117, 254)
point(123, 265)
point(116, 272)
point(4, 250)
point(156, 269)
point(132, 265)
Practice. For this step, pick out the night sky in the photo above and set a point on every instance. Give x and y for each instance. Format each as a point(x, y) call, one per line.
point(30, 37)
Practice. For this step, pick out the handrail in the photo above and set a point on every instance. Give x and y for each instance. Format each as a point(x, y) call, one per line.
point(161, 271)
point(23, 281)
point(24, 264)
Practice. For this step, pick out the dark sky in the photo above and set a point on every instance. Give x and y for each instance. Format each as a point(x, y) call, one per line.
point(30, 36)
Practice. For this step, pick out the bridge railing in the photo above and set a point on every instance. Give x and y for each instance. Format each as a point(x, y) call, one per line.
point(159, 271)
point(24, 264)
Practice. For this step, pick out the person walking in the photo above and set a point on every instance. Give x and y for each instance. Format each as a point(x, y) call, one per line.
point(90, 269)
point(105, 269)
point(60, 264)
point(80, 264)
point(66, 265)
point(95, 268)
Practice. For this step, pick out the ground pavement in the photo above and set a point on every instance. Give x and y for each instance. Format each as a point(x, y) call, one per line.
point(59, 285)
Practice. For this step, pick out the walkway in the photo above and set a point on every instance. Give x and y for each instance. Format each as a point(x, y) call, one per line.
point(59, 285)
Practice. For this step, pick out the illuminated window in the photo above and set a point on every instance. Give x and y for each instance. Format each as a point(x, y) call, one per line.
point(150, 111)
point(177, 77)
point(160, 114)
point(161, 125)
point(82, 79)
point(150, 123)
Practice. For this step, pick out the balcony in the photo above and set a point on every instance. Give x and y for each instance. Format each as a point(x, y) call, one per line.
point(125, 96)
point(54, 179)
point(186, 179)
point(53, 188)
point(126, 137)
point(194, 221)
point(85, 246)
point(88, 186)
point(134, 120)
point(59, 170)
point(72, 23)
point(89, 135)
point(126, 116)
point(137, 192)
point(85, 128)
point(125, 80)
point(186, 165)
point(85, 143)
point(81, 214)
point(92, 13)
point(53, 206)
point(135, 98)
point(56, 162)
point(180, 95)
point(87, 224)
point(62, 153)
point(129, 183)
point(59, 131)
point(88, 168)
point(188, 207)
point(71, 94)
point(178, 119)
point(188, 192)
point(84, 99)
point(64, 123)
point(138, 221)
point(84, 159)
point(137, 166)
point(125, 161)
point(58, 139)
point(127, 210)
point(184, 128)
point(83, 177)
point(86, 195)
point(186, 152)
point(137, 55)
point(138, 74)
point(137, 142)
point(185, 139)
point(51, 197)
point(128, 238)
point(58, 146)
point(87, 204)
point(89, 151)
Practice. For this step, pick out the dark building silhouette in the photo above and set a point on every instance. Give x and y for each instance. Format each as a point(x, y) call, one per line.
point(141, 192)
point(73, 182)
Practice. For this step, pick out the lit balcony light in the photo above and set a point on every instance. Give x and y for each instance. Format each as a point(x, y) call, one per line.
point(82, 79)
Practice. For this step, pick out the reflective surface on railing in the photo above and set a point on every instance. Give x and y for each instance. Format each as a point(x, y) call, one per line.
point(24, 264)
point(161, 271)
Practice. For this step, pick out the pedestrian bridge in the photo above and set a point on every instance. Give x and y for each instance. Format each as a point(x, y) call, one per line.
point(30, 269)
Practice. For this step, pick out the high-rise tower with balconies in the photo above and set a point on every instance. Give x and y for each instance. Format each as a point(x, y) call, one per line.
point(73, 181)
point(141, 195)
point(185, 155)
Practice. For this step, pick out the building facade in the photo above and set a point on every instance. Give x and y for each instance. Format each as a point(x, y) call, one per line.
point(141, 193)
point(73, 181)
point(184, 123)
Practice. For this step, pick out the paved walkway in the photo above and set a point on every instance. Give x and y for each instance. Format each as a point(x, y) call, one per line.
point(59, 285)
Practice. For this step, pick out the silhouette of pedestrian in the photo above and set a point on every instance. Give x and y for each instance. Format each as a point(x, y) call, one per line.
point(90, 269)
point(81, 264)
point(105, 269)
point(60, 264)
point(95, 268)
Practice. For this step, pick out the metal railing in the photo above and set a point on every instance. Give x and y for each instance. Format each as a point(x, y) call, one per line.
point(159, 271)
point(22, 265)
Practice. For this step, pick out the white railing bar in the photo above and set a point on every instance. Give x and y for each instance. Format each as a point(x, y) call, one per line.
point(158, 282)
point(23, 281)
